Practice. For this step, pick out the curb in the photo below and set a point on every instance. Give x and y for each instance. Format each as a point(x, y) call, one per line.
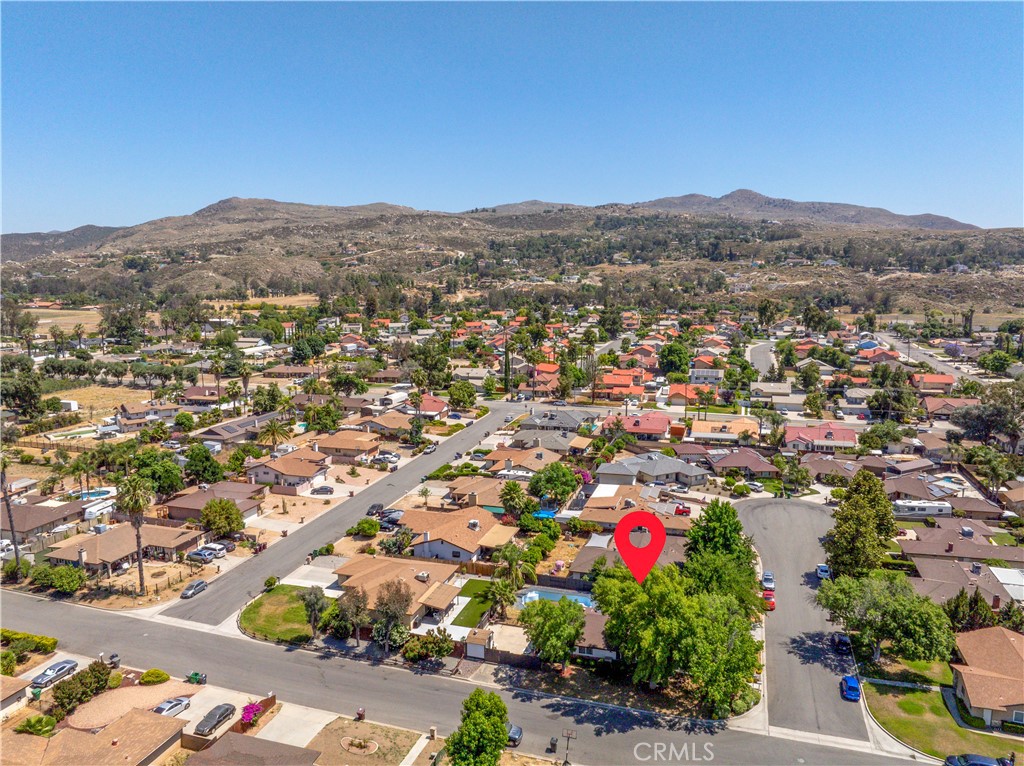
point(894, 738)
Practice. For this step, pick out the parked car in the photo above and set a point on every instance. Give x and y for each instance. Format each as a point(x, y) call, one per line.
point(559, 403)
point(214, 718)
point(194, 589)
point(861, 416)
point(823, 572)
point(54, 673)
point(755, 486)
point(455, 416)
point(972, 759)
point(769, 600)
point(393, 517)
point(509, 418)
point(849, 688)
point(322, 490)
point(515, 734)
point(783, 411)
point(387, 526)
point(173, 706)
point(839, 414)
point(393, 459)
point(201, 556)
point(229, 545)
point(218, 550)
point(375, 509)
point(841, 643)
point(431, 448)
point(768, 581)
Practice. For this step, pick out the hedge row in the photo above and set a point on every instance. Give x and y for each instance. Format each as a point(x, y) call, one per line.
point(41, 644)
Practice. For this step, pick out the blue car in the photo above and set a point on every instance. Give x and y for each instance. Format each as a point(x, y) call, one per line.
point(849, 688)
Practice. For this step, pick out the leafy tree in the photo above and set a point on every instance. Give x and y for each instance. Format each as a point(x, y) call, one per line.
point(726, 574)
point(461, 395)
point(553, 627)
point(884, 607)
point(185, 422)
point(1011, 617)
point(222, 517)
point(980, 422)
point(555, 481)
point(864, 523)
point(674, 357)
point(490, 385)
point(67, 579)
point(481, 737)
point(346, 384)
point(161, 470)
point(266, 399)
point(348, 613)
point(314, 602)
point(392, 605)
point(436, 644)
point(513, 567)
point(996, 361)
point(1011, 397)
point(809, 377)
point(969, 612)
point(238, 456)
point(201, 467)
point(719, 530)
point(134, 496)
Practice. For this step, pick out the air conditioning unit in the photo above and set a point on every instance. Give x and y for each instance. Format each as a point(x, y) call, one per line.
point(474, 524)
point(423, 576)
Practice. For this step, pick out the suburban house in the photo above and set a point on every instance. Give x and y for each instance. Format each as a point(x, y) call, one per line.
point(820, 466)
point(1013, 499)
point(350, 447)
point(688, 393)
point(115, 548)
point(468, 534)
point(707, 375)
point(239, 430)
point(431, 408)
point(189, 504)
point(941, 407)
point(291, 371)
point(481, 491)
point(762, 393)
point(820, 438)
point(915, 487)
point(933, 382)
point(233, 749)
point(990, 680)
point(647, 426)
point(941, 579)
point(750, 463)
point(291, 474)
point(131, 417)
point(609, 503)
point(958, 540)
point(653, 466)
point(533, 438)
point(388, 424)
point(508, 463)
point(592, 643)
point(558, 420)
point(201, 397)
point(432, 593)
point(36, 515)
point(735, 431)
point(474, 375)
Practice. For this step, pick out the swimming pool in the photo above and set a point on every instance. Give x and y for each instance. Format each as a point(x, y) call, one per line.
point(94, 493)
point(551, 594)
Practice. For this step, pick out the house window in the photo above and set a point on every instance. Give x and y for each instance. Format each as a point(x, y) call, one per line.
point(456, 554)
point(1018, 716)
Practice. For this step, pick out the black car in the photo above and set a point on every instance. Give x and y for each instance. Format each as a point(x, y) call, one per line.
point(969, 759)
point(323, 490)
point(214, 718)
point(374, 509)
point(841, 643)
point(228, 545)
point(515, 734)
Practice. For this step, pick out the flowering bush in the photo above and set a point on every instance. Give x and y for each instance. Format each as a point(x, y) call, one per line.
point(251, 712)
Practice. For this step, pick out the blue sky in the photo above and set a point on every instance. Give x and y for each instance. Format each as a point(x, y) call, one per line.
point(116, 114)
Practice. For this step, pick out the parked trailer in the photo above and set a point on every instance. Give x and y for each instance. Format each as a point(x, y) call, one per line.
point(908, 509)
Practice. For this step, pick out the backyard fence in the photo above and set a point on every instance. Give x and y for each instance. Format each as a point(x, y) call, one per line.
point(46, 444)
point(566, 583)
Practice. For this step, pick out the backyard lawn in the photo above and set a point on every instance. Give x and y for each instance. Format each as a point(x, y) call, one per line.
point(920, 719)
point(894, 668)
point(1004, 538)
point(278, 615)
point(471, 613)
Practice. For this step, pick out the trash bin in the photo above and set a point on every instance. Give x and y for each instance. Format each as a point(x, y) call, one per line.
point(115, 661)
point(360, 714)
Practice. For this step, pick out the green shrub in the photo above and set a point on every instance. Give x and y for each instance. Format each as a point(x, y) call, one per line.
point(40, 575)
point(71, 692)
point(899, 565)
point(11, 567)
point(39, 725)
point(20, 647)
point(67, 579)
point(270, 582)
point(8, 662)
point(115, 680)
point(153, 676)
point(745, 700)
point(532, 555)
point(97, 674)
point(26, 459)
point(42, 644)
point(365, 527)
point(970, 720)
point(370, 550)
point(1013, 728)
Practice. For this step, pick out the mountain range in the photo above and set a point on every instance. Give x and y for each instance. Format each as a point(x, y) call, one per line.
point(255, 225)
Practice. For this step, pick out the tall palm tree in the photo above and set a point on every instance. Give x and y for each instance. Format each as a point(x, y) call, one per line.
point(134, 496)
point(217, 369)
point(234, 393)
point(273, 433)
point(4, 462)
point(245, 373)
point(416, 400)
point(512, 567)
point(79, 332)
point(59, 338)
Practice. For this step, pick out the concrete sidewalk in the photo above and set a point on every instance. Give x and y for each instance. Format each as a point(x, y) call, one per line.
point(295, 724)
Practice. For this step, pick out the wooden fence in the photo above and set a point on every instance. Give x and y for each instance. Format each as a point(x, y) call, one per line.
point(46, 444)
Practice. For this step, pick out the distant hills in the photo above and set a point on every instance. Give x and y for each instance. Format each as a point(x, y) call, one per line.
point(264, 225)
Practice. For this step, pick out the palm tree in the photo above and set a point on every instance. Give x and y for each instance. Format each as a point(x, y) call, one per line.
point(79, 332)
point(134, 496)
point(273, 433)
point(705, 398)
point(416, 400)
point(512, 567)
point(501, 595)
point(245, 374)
point(234, 392)
point(4, 462)
point(59, 338)
point(217, 369)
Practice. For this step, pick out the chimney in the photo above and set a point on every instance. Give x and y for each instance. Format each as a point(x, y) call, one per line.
point(975, 567)
point(316, 446)
point(540, 455)
point(81, 557)
point(536, 442)
point(949, 547)
point(426, 536)
point(996, 601)
point(472, 498)
point(508, 464)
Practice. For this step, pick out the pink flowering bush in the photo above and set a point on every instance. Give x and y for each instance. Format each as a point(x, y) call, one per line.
point(251, 712)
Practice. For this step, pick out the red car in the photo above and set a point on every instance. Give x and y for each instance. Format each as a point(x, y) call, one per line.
point(682, 510)
point(862, 416)
point(769, 600)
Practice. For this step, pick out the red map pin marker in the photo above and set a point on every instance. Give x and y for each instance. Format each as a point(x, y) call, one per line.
point(640, 560)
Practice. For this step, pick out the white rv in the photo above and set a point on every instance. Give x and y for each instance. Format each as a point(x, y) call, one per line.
point(914, 509)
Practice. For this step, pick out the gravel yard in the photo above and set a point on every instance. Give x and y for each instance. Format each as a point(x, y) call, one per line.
point(111, 705)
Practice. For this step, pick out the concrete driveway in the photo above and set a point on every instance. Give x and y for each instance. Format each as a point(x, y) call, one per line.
point(208, 698)
point(802, 671)
point(295, 725)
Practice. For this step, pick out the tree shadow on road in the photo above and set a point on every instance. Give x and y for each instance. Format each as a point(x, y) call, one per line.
point(607, 720)
point(813, 648)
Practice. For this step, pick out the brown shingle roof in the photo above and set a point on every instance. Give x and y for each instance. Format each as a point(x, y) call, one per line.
point(239, 750)
point(993, 669)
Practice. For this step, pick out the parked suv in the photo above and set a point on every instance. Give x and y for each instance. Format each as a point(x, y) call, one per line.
point(201, 556)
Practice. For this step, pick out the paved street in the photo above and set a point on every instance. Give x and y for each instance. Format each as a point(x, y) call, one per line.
point(803, 673)
point(393, 695)
point(762, 356)
point(917, 355)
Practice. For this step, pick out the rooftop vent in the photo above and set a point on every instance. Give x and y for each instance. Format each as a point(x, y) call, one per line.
point(423, 576)
point(474, 524)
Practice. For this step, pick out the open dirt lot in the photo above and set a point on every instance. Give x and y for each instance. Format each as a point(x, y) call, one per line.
point(104, 399)
point(66, 319)
point(393, 743)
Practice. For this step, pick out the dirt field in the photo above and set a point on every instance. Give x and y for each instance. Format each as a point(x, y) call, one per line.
point(104, 399)
point(284, 301)
point(393, 743)
point(66, 319)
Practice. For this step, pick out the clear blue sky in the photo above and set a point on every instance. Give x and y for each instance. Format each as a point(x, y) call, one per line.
point(116, 114)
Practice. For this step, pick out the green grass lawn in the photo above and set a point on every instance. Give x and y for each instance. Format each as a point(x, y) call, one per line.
point(471, 613)
point(1004, 538)
point(920, 719)
point(278, 615)
point(771, 485)
point(895, 668)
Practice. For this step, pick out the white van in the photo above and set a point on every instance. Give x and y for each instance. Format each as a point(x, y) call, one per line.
point(218, 550)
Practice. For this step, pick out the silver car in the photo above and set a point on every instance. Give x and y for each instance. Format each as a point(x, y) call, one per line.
point(54, 673)
point(173, 706)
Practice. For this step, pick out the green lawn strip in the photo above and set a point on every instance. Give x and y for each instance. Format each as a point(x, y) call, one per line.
point(1003, 538)
point(771, 485)
point(278, 616)
point(471, 613)
point(920, 719)
point(892, 668)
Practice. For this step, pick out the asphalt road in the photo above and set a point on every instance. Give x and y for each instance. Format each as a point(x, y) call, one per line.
point(917, 355)
point(803, 672)
point(396, 696)
point(762, 356)
point(229, 592)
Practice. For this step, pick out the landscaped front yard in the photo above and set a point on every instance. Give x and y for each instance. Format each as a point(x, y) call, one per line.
point(471, 613)
point(278, 615)
point(920, 719)
point(894, 668)
point(392, 744)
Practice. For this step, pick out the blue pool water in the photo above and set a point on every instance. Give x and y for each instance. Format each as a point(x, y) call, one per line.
point(543, 514)
point(93, 494)
point(550, 594)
